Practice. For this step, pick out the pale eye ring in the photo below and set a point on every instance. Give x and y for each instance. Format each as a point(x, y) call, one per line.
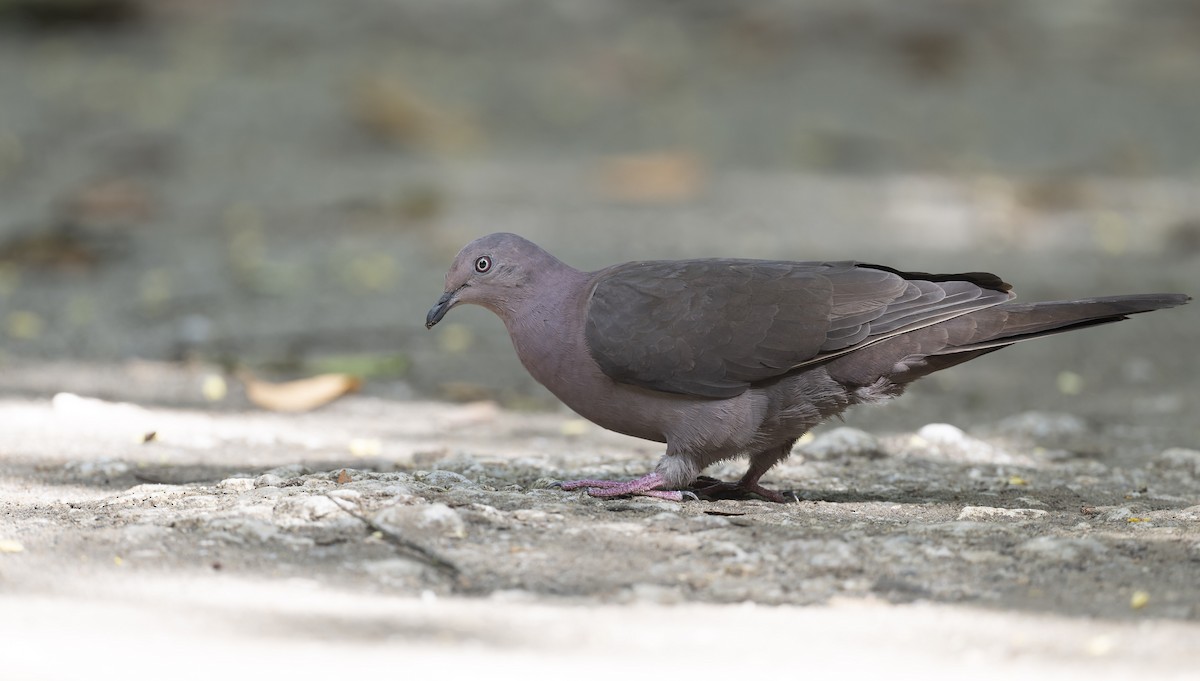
point(483, 264)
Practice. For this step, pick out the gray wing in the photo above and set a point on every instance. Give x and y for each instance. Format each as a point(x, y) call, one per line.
point(712, 328)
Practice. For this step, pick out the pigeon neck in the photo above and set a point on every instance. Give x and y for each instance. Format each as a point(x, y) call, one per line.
point(544, 328)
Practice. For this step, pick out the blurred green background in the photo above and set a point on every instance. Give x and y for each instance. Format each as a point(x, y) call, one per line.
point(280, 184)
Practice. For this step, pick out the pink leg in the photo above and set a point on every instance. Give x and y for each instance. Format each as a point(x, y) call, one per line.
point(645, 486)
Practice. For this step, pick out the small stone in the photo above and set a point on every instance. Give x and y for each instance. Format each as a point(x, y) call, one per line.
point(530, 515)
point(290, 471)
point(1118, 514)
point(841, 442)
point(993, 513)
point(305, 509)
point(437, 519)
point(942, 434)
point(487, 514)
point(236, 484)
point(11, 546)
point(1184, 459)
point(238, 530)
point(445, 479)
point(268, 480)
point(99, 468)
point(351, 495)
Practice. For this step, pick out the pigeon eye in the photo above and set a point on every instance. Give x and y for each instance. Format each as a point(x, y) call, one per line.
point(483, 264)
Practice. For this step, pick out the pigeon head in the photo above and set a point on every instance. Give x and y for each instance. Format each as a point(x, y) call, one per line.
point(498, 271)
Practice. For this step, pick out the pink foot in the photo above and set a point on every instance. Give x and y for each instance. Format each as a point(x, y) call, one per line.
point(645, 486)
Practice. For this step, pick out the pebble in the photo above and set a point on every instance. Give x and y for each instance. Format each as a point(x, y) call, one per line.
point(305, 509)
point(487, 514)
point(993, 513)
point(951, 442)
point(1118, 514)
point(290, 471)
point(841, 442)
point(268, 480)
point(530, 515)
point(236, 484)
point(942, 433)
point(447, 479)
point(1178, 457)
point(99, 468)
point(438, 519)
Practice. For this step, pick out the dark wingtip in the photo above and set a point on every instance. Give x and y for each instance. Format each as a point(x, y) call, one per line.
point(981, 279)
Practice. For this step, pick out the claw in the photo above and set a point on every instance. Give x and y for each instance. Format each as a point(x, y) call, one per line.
point(646, 486)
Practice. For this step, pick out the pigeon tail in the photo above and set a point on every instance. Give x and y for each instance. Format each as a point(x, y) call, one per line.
point(1010, 323)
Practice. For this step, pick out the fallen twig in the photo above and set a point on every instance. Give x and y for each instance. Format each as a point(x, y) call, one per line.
point(414, 549)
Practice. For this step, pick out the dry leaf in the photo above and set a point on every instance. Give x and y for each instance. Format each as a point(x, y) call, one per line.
point(302, 395)
point(214, 388)
point(395, 112)
point(1139, 600)
point(112, 201)
point(652, 177)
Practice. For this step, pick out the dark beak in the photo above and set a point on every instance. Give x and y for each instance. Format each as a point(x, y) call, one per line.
point(440, 309)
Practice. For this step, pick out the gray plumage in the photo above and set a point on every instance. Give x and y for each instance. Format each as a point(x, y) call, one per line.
point(722, 357)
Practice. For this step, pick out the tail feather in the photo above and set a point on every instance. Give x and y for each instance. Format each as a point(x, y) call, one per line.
point(1002, 325)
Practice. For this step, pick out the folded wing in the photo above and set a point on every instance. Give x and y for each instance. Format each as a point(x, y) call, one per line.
point(713, 328)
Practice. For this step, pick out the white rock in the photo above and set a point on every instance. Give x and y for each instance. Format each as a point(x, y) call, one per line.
point(236, 484)
point(268, 480)
point(993, 513)
point(240, 529)
point(305, 509)
point(99, 468)
point(1178, 457)
point(942, 433)
point(446, 479)
point(437, 519)
point(351, 495)
point(530, 515)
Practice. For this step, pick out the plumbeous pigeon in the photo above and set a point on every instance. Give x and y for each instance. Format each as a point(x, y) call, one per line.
point(720, 357)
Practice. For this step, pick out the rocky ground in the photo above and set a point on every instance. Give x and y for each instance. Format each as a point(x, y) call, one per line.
point(378, 530)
